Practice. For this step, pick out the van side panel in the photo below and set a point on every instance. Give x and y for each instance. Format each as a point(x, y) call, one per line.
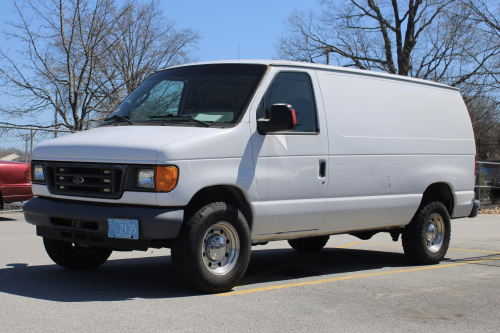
point(385, 190)
point(369, 115)
point(388, 141)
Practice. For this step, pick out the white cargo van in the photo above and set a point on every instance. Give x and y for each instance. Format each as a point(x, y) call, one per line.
point(209, 159)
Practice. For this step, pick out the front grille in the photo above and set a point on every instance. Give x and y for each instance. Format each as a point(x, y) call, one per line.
point(85, 179)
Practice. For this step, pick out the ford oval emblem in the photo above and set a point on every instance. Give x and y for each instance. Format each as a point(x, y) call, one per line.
point(78, 180)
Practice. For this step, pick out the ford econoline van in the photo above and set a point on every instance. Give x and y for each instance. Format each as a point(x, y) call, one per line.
point(211, 158)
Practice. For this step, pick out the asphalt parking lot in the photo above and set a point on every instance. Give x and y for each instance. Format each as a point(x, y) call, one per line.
point(351, 285)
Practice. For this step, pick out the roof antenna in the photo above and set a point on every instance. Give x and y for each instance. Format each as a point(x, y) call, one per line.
point(238, 51)
point(282, 45)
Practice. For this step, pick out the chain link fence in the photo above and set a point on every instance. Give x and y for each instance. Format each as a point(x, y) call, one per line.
point(487, 187)
point(17, 144)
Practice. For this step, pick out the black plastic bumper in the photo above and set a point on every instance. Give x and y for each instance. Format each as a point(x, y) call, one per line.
point(155, 223)
point(475, 209)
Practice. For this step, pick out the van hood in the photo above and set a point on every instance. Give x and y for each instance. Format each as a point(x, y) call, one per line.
point(115, 144)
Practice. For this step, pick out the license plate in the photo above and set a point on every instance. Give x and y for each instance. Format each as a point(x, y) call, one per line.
point(123, 228)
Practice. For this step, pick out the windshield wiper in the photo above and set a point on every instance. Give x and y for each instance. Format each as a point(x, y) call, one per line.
point(170, 115)
point(118, 117)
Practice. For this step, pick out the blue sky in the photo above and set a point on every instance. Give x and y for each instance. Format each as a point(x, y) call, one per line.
point(222, 24)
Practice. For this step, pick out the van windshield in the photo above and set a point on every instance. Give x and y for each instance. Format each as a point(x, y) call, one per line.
point(192, 94)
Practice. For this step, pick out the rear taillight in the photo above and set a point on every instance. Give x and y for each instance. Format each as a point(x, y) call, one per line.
point(294, 117)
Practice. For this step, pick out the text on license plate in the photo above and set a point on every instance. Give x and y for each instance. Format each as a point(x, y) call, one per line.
point(123, 228)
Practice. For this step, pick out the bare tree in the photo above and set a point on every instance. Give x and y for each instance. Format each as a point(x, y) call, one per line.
point(143, 42)
point(485, 16)
point(147, 41)
point(71, 53)
point(485, 116)
point(482, 98)
point(485, 12)
point(56, 66)
point(456, 42)
point(430, 39)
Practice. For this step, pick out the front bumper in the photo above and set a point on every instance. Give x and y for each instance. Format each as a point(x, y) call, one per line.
point(53, 220)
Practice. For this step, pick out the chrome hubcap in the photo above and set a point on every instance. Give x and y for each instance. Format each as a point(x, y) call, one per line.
point(220, 248)
point(431, 233)
point(215, 247)
point(434, 232)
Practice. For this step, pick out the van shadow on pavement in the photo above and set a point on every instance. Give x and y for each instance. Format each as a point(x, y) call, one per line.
point(125, 279)
point(6, 219)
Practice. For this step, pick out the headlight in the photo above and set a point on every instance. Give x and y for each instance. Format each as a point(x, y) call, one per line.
point(146, 178)
point(38, 175)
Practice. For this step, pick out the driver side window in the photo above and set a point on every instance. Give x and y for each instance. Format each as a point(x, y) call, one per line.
point(295, 89)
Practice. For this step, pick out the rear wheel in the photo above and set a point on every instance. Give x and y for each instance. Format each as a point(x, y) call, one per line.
point(76, 256)
point(427, 237)
point(311, 244)
point(212, 252)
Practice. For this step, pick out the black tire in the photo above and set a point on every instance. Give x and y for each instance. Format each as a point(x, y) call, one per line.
point(418, 243)
point(311, 244)
point(203, 232)
point(76, 256)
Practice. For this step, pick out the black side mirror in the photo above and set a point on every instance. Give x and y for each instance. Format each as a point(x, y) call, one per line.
point(282, 118)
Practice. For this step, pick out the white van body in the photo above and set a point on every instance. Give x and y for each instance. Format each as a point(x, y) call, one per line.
point(382, 139)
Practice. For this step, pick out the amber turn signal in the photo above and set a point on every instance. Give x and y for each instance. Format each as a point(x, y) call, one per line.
point(166, 178)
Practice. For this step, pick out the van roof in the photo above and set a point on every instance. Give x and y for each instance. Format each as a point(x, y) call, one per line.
point(286, 63)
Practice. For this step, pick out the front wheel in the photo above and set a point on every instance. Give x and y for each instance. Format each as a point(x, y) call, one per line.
point(212, 252)
point(427, 237)
point(76, 256)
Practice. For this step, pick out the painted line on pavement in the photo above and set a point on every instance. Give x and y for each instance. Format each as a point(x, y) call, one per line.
point(287, 265)
point(453, 249)
point(474, 251)
point(299, 284)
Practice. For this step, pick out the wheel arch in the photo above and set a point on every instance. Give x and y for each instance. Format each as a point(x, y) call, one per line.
point(442, 192)
point(228, 193)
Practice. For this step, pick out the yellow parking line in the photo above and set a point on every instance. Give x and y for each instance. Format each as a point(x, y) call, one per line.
point(453, 249)
point(474, 251)
point(346, 245)
point(287, 265)
point(372, 243)
point(352, 277)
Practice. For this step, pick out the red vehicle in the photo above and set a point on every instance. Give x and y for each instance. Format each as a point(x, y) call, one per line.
point(15, 182)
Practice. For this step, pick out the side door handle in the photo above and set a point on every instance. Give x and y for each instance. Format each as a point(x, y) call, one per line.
point(322, 168)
